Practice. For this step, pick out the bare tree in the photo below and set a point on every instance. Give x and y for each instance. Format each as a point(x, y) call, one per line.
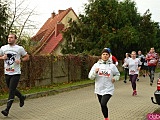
point(20, 17)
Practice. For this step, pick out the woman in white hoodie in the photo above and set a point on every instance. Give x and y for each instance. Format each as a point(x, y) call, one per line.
point(105, 73)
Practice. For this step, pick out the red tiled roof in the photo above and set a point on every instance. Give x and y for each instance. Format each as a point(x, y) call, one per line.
point(53, 40)
point(48, 29)
point(51, 22)
point(51, 44)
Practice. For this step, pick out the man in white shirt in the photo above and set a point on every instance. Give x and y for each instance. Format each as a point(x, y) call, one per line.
point(11, 54)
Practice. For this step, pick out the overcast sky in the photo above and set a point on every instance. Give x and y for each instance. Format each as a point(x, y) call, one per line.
point(152, 5)
point(45, 7)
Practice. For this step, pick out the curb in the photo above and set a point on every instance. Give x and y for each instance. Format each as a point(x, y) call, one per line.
point(49, 92)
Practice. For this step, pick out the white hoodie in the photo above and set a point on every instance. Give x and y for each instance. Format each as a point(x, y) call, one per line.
point(103, 79)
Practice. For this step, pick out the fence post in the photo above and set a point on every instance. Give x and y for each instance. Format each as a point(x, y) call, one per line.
point(51, 56)
point(69, 58)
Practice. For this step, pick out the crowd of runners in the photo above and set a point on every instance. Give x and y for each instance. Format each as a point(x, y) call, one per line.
point(105, 73)
point(147, 64)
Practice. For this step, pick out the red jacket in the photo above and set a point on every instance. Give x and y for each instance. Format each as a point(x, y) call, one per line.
point(152, 59)
point(114, 59)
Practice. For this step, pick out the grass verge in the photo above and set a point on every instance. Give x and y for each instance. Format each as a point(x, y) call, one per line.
point(48, 87)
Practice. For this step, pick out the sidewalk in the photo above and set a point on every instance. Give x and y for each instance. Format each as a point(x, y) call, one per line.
point(82, 104)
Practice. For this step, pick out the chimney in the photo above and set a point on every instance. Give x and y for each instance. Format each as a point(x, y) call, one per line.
point(53, 14)
point(60, 11)
point(58, 27)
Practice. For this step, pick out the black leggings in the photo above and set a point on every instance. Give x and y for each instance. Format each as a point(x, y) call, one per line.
point(103, 100)
point(126, 73)
point(12, 83)
point(133, 80)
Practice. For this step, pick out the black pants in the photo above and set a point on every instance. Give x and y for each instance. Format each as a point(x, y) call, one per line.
point(103, 100)
point(151, 70)
point(133, 80)
point(12, 83)
point(126, 73)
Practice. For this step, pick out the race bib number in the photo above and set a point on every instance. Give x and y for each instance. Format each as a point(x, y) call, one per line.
point(152, 61)
point(132, 72)
point(104, 72)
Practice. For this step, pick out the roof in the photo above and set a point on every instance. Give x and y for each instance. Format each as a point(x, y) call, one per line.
point(46, 33)
point(52, 44)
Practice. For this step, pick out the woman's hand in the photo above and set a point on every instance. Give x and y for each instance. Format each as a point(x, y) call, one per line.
point(113, 80)
point(138, 68)
point(97, 69)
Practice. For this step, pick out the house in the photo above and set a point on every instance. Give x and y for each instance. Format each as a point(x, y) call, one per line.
point(49, 37)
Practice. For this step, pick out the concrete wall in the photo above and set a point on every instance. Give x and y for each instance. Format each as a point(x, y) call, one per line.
point(45, 70)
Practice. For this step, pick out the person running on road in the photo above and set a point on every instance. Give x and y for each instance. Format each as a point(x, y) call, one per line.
point(141, 58)
point(126, 70)
point(11, 54)
point(152, 60)
point(105, 74)
point(134, 65)
point(145, 68)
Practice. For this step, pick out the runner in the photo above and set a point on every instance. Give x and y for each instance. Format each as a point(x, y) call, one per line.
point(152, 60)
point(126, 69)
point(105, 74)
point(11, 54)
point(134, 66)
point(145, 68)
point(142, 59)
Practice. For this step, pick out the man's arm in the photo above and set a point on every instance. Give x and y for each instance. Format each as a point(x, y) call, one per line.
point(3, 57)
point(25, 58)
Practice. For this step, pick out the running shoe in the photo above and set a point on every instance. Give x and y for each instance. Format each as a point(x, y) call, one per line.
point(5, 112)
point(22, 101)
point(134, 93)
